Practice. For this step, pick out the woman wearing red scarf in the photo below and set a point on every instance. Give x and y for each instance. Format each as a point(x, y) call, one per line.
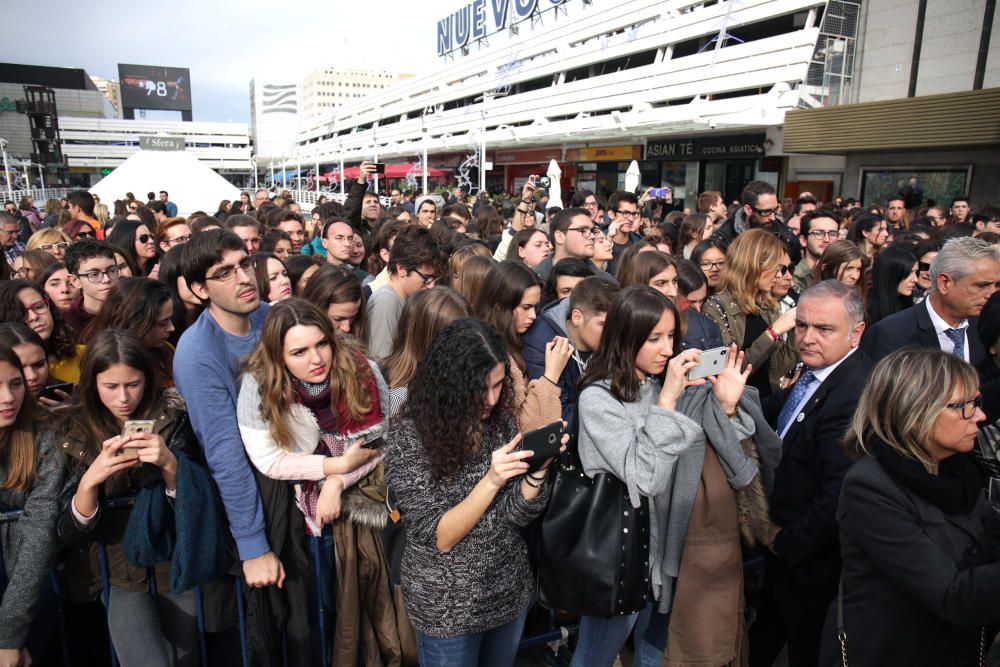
point(308, 402)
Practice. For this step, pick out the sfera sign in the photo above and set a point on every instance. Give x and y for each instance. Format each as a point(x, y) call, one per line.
point(161, 143)
point(482, 18)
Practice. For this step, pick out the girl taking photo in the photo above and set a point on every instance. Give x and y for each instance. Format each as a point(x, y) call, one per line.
point(676, 442)
point(31, 477)
point(464, 493)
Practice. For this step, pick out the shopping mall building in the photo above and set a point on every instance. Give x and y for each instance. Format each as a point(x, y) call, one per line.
point(700, 92)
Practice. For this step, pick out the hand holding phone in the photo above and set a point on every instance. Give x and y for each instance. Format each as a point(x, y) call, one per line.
point(135, 427)
point(711, 362)
point(544, 443)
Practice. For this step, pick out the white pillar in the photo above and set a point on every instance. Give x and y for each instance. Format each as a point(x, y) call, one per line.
point(6, 169)
point(425, 167)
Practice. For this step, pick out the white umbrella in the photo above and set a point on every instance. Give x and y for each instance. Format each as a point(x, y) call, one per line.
point(632, 175)
point(555, 185)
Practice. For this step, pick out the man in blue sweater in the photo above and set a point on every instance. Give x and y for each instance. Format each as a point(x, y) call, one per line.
point(207, 370)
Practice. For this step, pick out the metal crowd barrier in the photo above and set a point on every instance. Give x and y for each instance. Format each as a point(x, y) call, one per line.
point(551, 634)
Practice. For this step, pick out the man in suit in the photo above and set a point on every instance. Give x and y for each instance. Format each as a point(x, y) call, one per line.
point(802, 564)
point(963, 277)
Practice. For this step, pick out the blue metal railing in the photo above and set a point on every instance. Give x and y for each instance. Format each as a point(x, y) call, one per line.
point(552, 633)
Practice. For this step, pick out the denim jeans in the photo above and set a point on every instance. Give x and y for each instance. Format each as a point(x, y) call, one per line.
point(496, 647)
point(600, 639)
point(154, 632)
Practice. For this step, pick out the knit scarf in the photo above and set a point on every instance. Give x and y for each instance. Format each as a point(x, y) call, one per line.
point(955, 489)
point(337, 430)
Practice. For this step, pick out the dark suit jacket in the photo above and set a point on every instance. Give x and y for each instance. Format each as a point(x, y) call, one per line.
point(913, 326)
point(910, 596)
point(813, 465)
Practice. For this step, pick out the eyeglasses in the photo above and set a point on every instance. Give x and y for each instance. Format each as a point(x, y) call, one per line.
point(38, 307)
point(224, 275)
point(590, 204)
point(96, 277)
point(765, 212)
point(177, 241)
point(427, 279)
point(923, 266)
point(714, 266)
point(627, 214)
point(20, 273)
point(144, 238)
point(53, 246)
point(820, 234)
point(585, 232)
point(90, 234)
point(969, 407)
point(784, 269)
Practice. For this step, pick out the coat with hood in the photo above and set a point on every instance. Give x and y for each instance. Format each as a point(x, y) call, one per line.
point(552, 323)
point(736, 225)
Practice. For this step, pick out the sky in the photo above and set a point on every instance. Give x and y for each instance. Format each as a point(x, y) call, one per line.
point(225, 43)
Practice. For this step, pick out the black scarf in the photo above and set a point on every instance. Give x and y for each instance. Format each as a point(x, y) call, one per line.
point(956, 488)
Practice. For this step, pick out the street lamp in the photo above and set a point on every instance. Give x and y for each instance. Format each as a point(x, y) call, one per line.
point(6, 169)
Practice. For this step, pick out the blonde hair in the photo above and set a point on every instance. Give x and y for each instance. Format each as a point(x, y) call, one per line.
point(753, 252)
point(46, 235)
point(906, 393)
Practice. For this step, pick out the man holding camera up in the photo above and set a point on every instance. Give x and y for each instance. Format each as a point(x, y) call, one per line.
point(362, 207)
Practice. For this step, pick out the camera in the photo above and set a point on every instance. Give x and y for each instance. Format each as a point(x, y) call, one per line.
point(542, 181)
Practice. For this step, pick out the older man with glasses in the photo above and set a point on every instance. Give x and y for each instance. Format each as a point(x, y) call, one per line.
point(9, 229)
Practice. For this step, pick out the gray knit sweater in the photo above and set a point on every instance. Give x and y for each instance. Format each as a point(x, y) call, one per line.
point(658, 454)
point(485, 580)
point(29, 544)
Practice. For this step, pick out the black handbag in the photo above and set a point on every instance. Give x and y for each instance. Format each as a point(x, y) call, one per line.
point(594, 546)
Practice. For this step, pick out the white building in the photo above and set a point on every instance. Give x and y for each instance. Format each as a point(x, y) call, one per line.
point(693, 89)
point(112, 90)
point(91, 145)
point(275, 109)
point(329, 88)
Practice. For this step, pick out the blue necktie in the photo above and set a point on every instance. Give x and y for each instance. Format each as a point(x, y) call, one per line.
point(957, 336)
point(794, 398)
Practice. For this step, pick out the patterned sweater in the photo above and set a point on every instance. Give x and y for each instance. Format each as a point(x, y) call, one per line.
point(485, 580)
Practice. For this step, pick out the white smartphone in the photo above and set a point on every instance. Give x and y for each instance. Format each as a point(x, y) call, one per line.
point(711, 363)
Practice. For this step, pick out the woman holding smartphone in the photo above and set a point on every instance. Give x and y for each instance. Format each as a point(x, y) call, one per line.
point(464, 493)
point(31, 478)
point(676, 442)
point(119, 383)
point(30, 349)
point(324, 402)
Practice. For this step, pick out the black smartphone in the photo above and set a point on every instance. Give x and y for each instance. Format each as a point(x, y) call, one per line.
point(379, 167)
point(50, 391)
point(377, 443)
point(544, 442)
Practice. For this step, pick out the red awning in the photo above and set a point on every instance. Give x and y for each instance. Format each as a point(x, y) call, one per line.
point(391, 171)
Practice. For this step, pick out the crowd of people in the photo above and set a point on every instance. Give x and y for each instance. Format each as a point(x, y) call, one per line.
point(189, 404)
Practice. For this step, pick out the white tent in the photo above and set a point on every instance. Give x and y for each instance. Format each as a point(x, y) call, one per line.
point(191, 185)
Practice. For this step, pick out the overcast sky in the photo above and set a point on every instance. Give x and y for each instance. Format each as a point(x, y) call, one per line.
point(224, 43)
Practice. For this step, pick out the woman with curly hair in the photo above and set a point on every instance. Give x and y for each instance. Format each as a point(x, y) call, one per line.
point(465, 493)
point(21, 301)
point(509, 301)
point(745, 310)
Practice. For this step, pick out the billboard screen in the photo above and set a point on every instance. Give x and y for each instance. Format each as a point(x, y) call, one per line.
point(154, 87)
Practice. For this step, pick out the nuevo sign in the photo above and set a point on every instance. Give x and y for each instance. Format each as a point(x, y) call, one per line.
point(161, 143)
point(482, 18)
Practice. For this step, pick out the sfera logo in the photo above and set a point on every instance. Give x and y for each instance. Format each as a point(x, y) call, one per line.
point(161, 143)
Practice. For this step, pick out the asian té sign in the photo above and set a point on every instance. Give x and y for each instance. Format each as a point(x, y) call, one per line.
point(482, 18)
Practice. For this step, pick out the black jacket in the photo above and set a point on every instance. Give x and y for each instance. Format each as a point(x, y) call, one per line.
point(352, 208)
point(734, 226)
point(913, 327)
point(908, 597)
point(813, 464)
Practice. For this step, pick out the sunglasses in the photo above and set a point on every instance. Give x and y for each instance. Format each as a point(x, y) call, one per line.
point(145, 238)
point(88, 235)
point(784, 269)
point(923, 266)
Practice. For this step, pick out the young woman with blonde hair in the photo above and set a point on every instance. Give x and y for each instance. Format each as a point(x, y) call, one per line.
point(745, 310)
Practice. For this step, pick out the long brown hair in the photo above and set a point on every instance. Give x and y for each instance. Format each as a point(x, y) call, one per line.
point(501, 294)
point(17, 442)
point(349, 373)
point(424, 315)
point(338, 284)
point(106, 349)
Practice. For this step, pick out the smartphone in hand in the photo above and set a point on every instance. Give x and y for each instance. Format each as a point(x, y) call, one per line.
point(544, 442)
point(134, 426)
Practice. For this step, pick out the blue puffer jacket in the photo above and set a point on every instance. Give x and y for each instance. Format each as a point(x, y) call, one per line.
point(552, 323)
